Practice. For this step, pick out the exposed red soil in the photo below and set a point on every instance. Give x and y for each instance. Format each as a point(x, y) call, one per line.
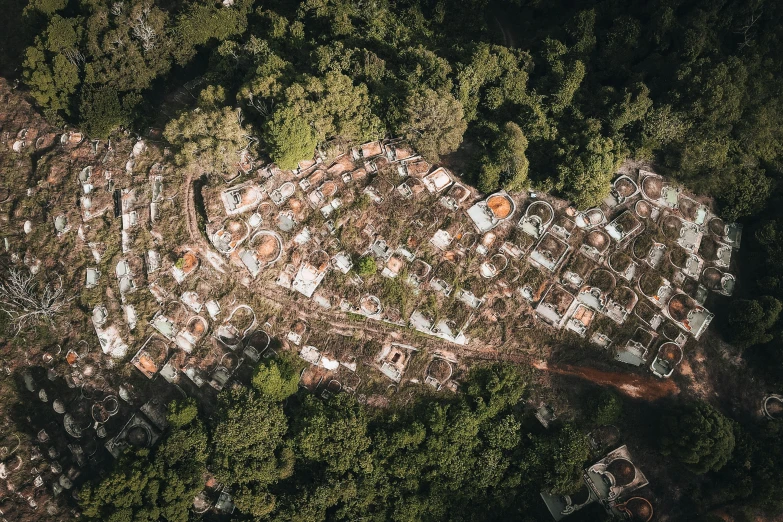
point(636, 386)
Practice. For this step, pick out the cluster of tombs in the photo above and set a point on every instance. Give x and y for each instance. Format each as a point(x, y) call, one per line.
point(611, 483)
point(167, 311)
point(631, 276)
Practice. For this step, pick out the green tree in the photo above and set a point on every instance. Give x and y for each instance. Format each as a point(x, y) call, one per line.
point(333, 433)
point(632, 108)
point(505, 163)
point(289, 138)
point(434, 123)
point(588, 166)
point(182, 413)
point(210, 137)
point(47, 7)
point(366, 266)
point(489, 176)
point(606, 409)
point(152, 485)
point(565, 455)
point(277, 378)
point(564, 75)
point(744, 193)
point(750, 320)
point(51, 66)
point(697, 435)
point(332, 106)
point(249, 453)
point(201, 22)
point(101, 111)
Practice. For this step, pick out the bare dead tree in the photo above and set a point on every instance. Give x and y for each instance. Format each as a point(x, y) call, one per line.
point(745, 30)
point(144, 31)
point(74, 56)
point(118, 41)
point(260, 106)
point(117, 8)
point(27, 303)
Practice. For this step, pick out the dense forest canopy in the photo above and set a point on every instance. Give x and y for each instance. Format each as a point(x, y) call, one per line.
point(550, 94)
point(478, 455)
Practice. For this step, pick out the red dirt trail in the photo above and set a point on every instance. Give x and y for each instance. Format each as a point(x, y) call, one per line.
point(636, 386)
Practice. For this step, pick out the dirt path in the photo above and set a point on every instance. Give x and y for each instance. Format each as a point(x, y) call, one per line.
point(636, 386)
point(190, 210)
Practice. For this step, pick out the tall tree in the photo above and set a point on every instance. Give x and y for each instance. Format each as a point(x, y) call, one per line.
point(210, 137)
point(249, 452)
point(434, 123)
point(697, 435)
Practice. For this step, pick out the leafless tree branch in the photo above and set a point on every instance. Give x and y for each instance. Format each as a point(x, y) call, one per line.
point(27, 303)
point(144, 31)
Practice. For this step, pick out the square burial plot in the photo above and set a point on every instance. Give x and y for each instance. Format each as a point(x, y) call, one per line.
point(601, 340)
point(549, 252)
point(393, 360)
point(580, 320)
point(563, 227)
point(576, 270)
point(554, 306)
point(690, 237)
point(623, 226)
point(615, 475)
point(632, 353)
point(437, 180)
point(648, 314)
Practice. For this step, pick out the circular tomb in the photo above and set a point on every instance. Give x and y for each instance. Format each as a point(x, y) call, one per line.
point(670, 353)
point(597, 239)
point(643, 209)
point(649, 283)
point(711, 278)
point(717, 226)
point(542, 210)
point(671, 226)
point(259, 341)
point(622, 471)
point(295, 204)
point(678, 307)
point(603, 280)
point(320, 260)
point(197, 326)
point(267, 245)
point(708, 249)
point(625, 187)
point(501, 206)
point(670, 331)
point(139, 436)
point(370, 305)
point(580, 497)
point(638, 509)
point(468, 240)
point(266, 209)
point(440, 370)
point(619, 262)
point(652, 186)
point(773, 406)
point(329, 189)
point(688, 208)
point(420, 269)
